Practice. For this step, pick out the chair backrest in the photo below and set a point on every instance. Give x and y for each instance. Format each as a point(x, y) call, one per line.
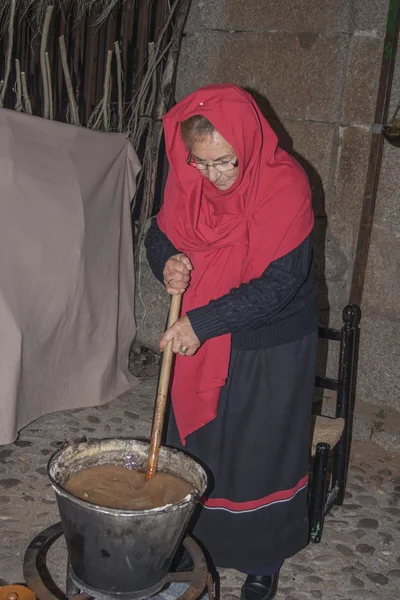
point(346, 336)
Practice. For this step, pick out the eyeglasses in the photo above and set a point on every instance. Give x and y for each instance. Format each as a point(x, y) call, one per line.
point(220, 165)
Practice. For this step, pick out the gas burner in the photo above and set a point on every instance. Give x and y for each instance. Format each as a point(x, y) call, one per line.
point(40, 581)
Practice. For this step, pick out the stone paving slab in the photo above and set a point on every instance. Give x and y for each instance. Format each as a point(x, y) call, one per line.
point(359, 556)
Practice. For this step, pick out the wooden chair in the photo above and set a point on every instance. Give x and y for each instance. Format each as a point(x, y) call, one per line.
point(333, 434)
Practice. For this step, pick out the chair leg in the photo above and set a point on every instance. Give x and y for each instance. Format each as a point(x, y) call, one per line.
point(339, 470)
point(341, 451)
point(318, 492)
point(344, 402)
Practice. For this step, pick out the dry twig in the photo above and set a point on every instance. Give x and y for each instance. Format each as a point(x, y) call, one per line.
point(94, 120)
point(49, 85)
point(43, 46)
point(68, 83)
point(35, 11)
point(27, 102)
point(18, 86)
point(139, 118)
point(106, 94)
point(100, 117)
point(120, 91)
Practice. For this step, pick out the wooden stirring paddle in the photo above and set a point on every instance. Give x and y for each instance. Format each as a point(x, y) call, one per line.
point(162, 393)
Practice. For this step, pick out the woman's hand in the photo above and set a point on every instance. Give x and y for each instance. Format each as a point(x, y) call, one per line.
point(177, 274)
point(183, 338)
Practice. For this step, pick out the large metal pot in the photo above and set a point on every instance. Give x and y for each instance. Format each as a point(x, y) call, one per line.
point(116, 553)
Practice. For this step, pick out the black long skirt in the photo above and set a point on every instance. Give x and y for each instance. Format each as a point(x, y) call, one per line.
point(256, 452)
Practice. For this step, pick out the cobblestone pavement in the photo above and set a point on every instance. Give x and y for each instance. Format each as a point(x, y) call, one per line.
point(359, 556)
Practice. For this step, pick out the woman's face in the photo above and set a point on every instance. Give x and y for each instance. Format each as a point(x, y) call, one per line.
point(213, 149)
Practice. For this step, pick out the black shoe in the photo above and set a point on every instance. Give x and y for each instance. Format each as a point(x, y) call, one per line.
point(182, 561)
point(260, 587)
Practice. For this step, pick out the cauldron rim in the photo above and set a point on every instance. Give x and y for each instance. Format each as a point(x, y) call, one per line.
point(192, 496)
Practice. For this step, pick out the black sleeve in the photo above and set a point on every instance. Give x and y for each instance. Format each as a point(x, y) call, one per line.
point(253, 304)
point(158, 249)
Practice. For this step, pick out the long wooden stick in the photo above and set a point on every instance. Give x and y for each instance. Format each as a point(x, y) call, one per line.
point(162, 393)
point(68, 83)
point(119, 83)
point(106, 95)
point(25, 94)
point(49, 85)
point(43, 69)
point(18, 86)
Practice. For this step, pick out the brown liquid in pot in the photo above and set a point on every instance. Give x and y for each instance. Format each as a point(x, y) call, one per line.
point(116, 486)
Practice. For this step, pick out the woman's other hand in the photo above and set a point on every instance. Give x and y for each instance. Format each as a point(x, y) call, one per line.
point(182, 336)
point(177, 273)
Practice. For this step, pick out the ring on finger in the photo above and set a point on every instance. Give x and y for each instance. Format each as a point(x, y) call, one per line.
point(183, 350)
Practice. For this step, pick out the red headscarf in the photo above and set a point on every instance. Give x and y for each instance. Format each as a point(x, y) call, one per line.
point(230, 236)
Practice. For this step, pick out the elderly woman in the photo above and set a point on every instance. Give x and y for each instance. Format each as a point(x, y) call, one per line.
point(234, 234)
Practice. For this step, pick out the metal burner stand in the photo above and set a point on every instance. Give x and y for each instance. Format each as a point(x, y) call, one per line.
point(39, 580)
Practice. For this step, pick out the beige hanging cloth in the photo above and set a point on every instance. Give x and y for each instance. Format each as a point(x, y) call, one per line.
point(66, 268)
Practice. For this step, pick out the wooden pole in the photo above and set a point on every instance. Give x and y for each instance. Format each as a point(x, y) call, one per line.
point(162, 393)
point(18, 86)
point(43, 68)
point(120, 92)
point(25, 94)
point(49, 85)
point(106, 94)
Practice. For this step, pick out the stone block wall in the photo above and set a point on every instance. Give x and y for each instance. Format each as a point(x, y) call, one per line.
point(313, 66)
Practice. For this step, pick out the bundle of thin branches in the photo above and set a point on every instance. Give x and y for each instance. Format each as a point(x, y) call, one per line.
point(10, 28)
point(149, 104)
point(141, 106)
point(35, 10)
point(154, 135)
point(44, 65)
point(101, 118)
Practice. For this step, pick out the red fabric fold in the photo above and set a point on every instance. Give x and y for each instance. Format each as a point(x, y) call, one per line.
point(232, 236)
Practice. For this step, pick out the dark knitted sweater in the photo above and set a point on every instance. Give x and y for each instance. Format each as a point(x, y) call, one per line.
point(277, 308)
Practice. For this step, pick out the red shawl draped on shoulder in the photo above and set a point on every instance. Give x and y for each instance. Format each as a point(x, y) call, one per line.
point(230, 236)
